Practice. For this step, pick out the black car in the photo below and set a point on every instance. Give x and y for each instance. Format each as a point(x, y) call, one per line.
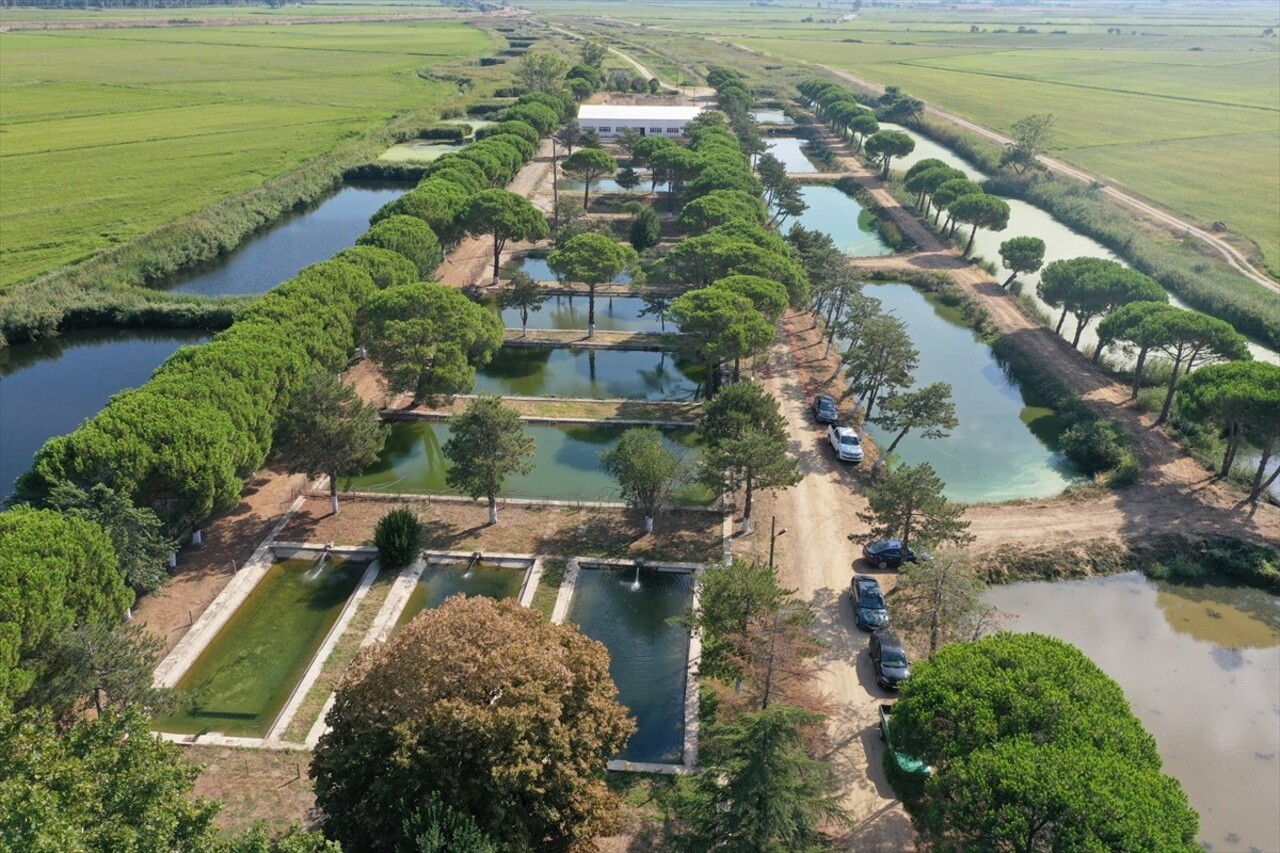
point(869, 610)
point(889, 659)
point(824, 410)
point(889, 554)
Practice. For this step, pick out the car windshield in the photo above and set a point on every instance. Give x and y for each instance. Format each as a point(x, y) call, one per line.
point(871, 600)
point(894, 659)
point(849, 439)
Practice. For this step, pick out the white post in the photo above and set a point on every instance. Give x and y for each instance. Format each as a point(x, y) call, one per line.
point(648, 524)
point(173, 559)
point(197, 537)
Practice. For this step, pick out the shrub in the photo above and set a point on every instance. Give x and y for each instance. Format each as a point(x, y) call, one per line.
point(445, 132)
point(1096, 445)
point(398, 536)
point(1126, 473)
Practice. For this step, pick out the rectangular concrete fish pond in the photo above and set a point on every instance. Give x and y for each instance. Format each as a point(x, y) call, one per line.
point(441, 580)
point(649, 653)
point(537, 267)
point(602, 374)
point(613, 314)
point(240, 682)
point(566, 463)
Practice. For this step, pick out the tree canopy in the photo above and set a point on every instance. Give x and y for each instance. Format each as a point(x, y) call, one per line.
point(485, 707)
point(981, 211)
point(524, 294)
point(746, 438)
point(1021, 254)
point(502, 216)
point(1190, 339)
point(887, 144)
point(103, 786)
point(759, 790)
point(1031, 135)
point(720, 326)
point(541, 71)
point(1242, 399)
point(589, 164)
point(1035, 748)
point(328, 429)
point(647, 471)
point(56, 572)
point(909, 505)
point(487, 444)
point(928, 409)
point(429, 339)
point(593, 259)
point(137, 533)
point(409, 236)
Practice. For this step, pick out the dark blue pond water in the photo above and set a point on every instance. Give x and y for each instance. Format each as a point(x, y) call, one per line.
point(305, 237)
point(49, 387)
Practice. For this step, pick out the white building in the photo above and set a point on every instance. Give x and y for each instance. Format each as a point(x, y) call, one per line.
point(611, 119)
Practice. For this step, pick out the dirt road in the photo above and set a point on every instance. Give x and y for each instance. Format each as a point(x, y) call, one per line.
point(815, 558)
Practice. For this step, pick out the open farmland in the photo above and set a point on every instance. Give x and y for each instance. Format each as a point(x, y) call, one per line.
point(105, 134)
point(1182, 106)
point(98, 16)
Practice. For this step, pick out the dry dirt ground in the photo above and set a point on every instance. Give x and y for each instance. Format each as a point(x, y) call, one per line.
point(560, 530)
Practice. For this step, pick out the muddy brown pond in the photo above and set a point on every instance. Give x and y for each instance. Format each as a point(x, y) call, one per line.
point(1201, 669)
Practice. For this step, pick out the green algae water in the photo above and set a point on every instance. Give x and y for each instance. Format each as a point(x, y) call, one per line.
point(790, 151)
point(648, 653)
point(566, 463)
point(843, 219)
point(517, 371)
point(243, 678)
point(439, 582)
point(1004, 447)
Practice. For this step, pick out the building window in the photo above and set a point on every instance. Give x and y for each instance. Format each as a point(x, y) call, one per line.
point(675, 130)
point(655, 130)
point(604, 129)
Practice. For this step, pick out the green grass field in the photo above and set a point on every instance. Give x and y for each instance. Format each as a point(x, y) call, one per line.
point(1182, 106)
point(105, 134)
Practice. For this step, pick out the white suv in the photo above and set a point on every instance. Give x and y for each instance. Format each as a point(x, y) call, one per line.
point(845, 442)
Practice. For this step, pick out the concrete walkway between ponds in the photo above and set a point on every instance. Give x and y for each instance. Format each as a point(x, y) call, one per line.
point(604, 339)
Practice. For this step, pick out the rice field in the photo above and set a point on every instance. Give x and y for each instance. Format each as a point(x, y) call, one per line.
point(1181, 105)
point(107, 133)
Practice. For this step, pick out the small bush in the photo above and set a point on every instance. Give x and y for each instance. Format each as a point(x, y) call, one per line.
point(445, 132)
point(1096, 446)
point(398, 537)
point(1212, 559)
point(1126, 473)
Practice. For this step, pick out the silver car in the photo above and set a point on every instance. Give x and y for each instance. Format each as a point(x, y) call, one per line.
point(845, 442)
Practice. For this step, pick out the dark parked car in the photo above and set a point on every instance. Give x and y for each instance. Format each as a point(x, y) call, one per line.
point(889, 659)
point(824, 410)
point(889, 554)
point(869, 609)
